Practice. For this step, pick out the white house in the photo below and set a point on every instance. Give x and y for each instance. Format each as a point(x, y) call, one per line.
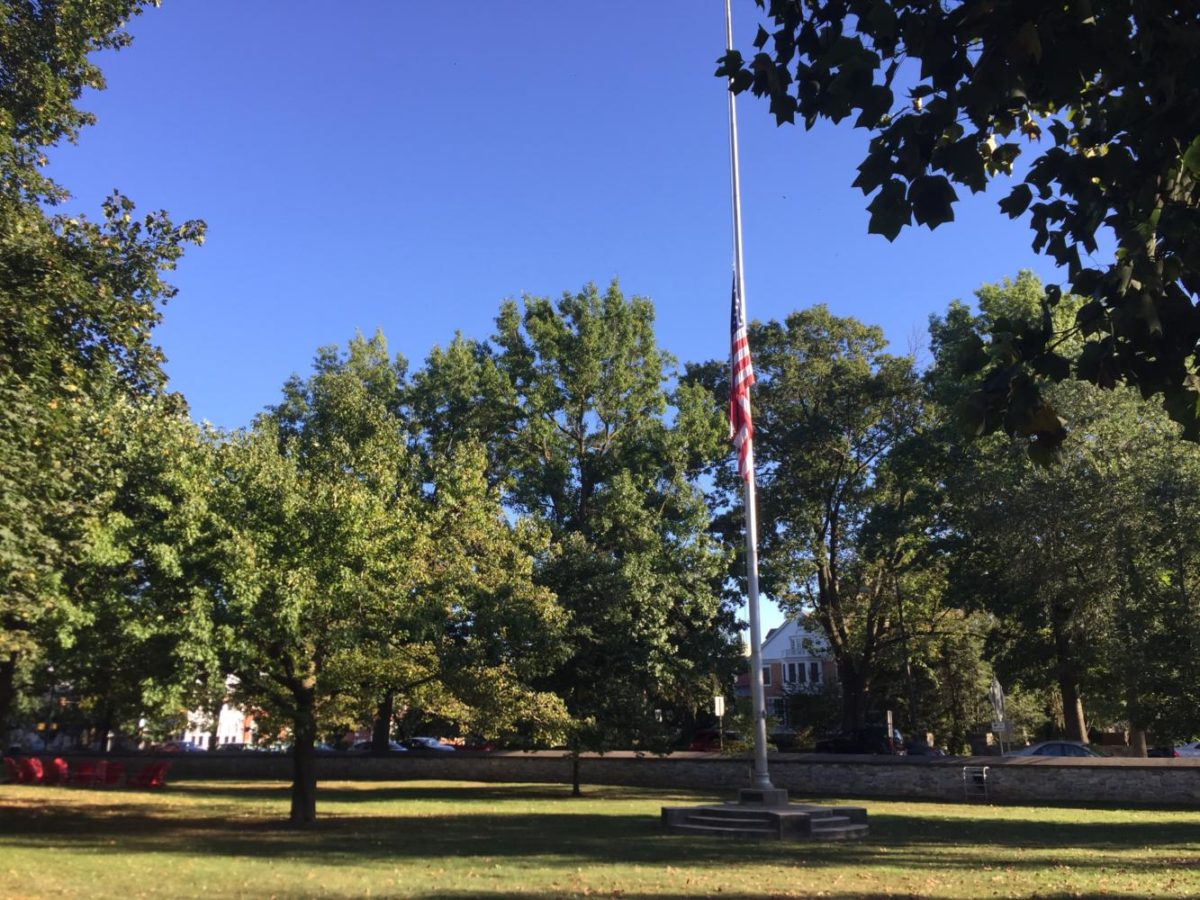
point(795, 657)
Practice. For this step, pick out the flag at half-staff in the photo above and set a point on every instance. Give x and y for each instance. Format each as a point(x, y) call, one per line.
point(741, 430)
point(741, 377)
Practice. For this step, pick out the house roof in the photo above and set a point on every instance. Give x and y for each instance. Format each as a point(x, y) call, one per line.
point(778, 642)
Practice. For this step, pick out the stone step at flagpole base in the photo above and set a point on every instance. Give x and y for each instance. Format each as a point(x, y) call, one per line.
point(788, 822)
point(763, 796)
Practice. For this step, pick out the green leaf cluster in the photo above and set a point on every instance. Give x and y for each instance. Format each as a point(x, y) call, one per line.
point(78, 302)
point(605, 456)
point(1109, 94)
point(1085, 561)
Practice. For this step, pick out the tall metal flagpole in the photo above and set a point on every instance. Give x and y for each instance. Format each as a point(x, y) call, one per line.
point(762, 780)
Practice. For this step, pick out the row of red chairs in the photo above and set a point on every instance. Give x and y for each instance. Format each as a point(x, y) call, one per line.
point(84, 773)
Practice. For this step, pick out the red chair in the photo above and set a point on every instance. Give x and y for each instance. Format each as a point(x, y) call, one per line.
point(153, 775)
point(31, 769)
point(84, 774)
point(57, 772)
point(15, 775)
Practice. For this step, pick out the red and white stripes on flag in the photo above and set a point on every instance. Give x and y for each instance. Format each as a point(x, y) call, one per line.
point(741, 376)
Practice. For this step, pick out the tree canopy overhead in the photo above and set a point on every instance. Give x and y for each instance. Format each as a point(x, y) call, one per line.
point(1108, 93)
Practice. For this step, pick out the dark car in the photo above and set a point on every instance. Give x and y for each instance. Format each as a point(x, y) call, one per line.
point(708, 740)
point(1162, 753)
point(179, 747)
point(921, 748)
point(869, 739)
point(1057, 748)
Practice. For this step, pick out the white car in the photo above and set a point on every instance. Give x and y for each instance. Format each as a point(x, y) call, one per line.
point(1189, 749)
point(428, 745)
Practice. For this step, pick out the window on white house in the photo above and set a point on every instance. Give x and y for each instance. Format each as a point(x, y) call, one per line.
point(789, 672)
point(766, 676)
point(800, 673)
point(814, 672)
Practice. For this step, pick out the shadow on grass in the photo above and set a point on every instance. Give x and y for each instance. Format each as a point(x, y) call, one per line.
point(918, 830)
point(561, 837)
point(368, 792)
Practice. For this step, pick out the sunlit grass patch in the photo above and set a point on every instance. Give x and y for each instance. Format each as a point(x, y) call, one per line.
point(427, 839)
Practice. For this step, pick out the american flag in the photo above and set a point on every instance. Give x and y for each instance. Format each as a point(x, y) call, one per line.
point(741, 429)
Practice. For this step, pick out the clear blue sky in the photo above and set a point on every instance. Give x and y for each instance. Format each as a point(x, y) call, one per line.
point(407, 166)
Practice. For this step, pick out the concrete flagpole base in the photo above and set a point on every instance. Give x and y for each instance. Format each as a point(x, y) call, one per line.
point(773, 820)
point(753, 796)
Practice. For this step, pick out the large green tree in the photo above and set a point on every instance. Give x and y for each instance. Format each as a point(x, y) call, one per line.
point(322, 543)
point(839, 522)
point(606, 457)
point(1109, 93)
point(1085, 564)
point(139, 642)
point(78, 303)
point(351, 572)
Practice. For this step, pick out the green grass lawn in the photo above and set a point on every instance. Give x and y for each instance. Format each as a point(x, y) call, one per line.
point(216, 839)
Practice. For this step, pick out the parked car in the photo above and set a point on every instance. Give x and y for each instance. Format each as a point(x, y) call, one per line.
point(1057, 748)
point(179, 747)
point(868, 739)
point(1162, 752)
point(1192, 748)
point(427, 745)
point(477, 744)
point(367, 747)
point(920, 748)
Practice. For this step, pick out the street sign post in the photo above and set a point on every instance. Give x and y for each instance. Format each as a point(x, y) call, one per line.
point(719, 709)
point(996, 696)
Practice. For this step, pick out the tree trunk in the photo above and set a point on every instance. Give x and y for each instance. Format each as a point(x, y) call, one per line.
point(105, 729)
point(8, 690)
point(381, 735)
point(304, 760)
point(1131, 673)
point(215, 727)
point(910, 682)
point(1137, 741)
point(575, 791)
point(1137, 720)
point(1074, 725)
point(854, 697)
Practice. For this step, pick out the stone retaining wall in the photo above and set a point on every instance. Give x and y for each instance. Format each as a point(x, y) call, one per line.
point(1141, 782)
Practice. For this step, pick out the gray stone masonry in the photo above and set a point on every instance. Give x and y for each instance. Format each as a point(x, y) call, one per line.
point(1017, 779)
